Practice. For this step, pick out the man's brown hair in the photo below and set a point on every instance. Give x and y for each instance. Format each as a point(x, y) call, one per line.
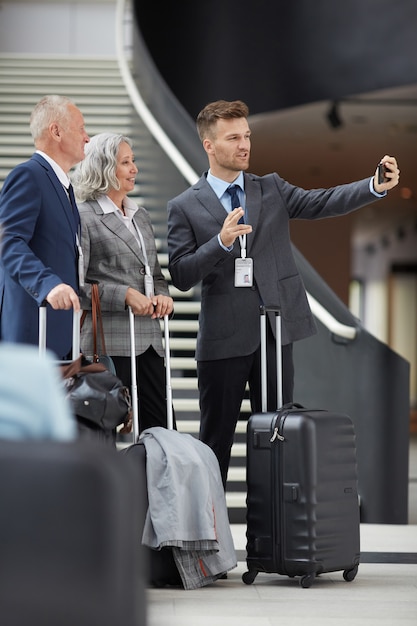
point(219, 110)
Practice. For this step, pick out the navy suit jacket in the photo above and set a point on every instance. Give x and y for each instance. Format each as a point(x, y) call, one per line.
point(229, 318)
point(38, 251)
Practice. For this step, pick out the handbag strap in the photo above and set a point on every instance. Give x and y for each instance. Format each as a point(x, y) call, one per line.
point(97, 321)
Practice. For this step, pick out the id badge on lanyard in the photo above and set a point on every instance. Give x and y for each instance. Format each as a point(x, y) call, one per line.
point(243, 266)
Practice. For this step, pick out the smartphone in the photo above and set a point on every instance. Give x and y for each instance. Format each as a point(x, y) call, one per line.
point(381, 174)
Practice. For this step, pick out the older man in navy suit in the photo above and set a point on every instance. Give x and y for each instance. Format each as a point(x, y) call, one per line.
point(240, 249)
point(39, 223)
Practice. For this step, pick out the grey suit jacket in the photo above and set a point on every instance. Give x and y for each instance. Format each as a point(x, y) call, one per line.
point(229, 318)
point(113, 258)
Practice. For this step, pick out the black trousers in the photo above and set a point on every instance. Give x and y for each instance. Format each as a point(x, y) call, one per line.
point(222, 387)
point(151, 384)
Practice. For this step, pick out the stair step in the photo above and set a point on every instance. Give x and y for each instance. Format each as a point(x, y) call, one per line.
point(179, 363)
point(27, 63)
point(191, 404)
point(236, 500)
point(77, 75)
point(182, 343)
point(236, 475)
point(183, 326)
point(21, 85)
point(75, 87)
point(239, 450)
point(192, 427)
point(23, 106)
point(191, 307)
point(181, 384)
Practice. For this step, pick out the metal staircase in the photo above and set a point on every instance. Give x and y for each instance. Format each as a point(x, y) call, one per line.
point(96, 87)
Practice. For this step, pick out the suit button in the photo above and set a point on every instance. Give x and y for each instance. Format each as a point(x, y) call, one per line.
point(142, 270)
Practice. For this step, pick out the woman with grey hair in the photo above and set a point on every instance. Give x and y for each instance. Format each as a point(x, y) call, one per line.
point(120, 255)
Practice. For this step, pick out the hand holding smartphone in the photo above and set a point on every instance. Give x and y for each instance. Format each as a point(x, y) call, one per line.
point(381, 174)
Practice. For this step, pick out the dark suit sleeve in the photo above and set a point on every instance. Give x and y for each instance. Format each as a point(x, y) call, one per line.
point(320, 203)
point(193, 246)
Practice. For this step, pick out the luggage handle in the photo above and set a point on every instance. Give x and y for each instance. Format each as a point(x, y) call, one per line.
point(264, 393)
point(170, 416)
point(134, 387)
point(135, 408)
point(76, 317)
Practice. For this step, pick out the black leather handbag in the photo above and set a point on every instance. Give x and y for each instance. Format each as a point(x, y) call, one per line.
point(97, 396)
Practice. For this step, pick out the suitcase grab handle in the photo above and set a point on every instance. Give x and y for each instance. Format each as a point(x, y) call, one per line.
point(270, 309)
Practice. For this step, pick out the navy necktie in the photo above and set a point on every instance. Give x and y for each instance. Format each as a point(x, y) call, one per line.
point(234, 199)
point(74, 207)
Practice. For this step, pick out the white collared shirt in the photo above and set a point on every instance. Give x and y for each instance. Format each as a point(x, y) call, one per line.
point(61, 175)
point(130, 208)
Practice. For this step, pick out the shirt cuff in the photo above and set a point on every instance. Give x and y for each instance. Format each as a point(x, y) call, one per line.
point(372, 190)
point(222, 246)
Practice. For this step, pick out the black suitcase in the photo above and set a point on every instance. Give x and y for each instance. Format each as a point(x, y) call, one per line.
point(70, 553)
point(161, 568)
point(302, 496)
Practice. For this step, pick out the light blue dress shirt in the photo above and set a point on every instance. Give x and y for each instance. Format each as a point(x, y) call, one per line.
point(220, 189)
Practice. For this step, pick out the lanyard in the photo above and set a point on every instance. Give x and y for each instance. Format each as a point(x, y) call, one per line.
point(242, 240)
point(142, 244)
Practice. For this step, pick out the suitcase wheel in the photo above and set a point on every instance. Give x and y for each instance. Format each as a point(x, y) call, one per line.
point(307, 580)
point(350, 574)
point(249, 576)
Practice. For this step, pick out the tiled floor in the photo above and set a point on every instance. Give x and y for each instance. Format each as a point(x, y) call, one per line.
point(384, 593)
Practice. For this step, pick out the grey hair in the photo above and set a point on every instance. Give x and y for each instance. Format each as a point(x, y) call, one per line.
point(48, 110)
point(95, 175)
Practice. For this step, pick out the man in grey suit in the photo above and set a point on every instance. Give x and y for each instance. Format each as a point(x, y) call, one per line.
point(242, 265)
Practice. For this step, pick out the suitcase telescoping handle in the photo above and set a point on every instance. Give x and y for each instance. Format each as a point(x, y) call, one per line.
point(76, 317)
point(170, 417)
point(264, 378)
point(134, 392)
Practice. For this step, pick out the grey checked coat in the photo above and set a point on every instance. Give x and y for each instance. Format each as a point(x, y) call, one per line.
point(113, 257)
